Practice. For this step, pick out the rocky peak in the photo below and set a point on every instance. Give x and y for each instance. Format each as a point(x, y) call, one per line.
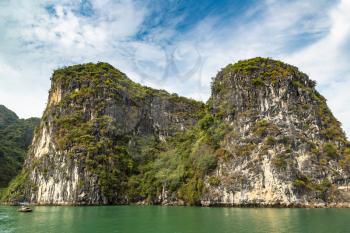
point(6, 116)
point(262, 87)
point(98, 125)
point(281, 131)
point(266, 137)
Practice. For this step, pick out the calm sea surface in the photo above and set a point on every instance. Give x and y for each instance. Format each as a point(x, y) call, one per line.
point(157, 219)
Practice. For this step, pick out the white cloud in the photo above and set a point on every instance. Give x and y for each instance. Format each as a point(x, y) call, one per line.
point(326, 58)
point(35, 39)
point(279, 31)
point(327, 61)
point(338, 96)
point(264, 30)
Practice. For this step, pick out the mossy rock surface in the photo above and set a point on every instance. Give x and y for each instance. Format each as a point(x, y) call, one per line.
point(264, 128)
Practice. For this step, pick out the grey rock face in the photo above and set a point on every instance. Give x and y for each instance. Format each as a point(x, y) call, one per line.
point(110, 111)
point(277, 143)
point(278, 146)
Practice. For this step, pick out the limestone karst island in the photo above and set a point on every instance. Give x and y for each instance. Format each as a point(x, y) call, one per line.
point(264, 138)
point(174, 116)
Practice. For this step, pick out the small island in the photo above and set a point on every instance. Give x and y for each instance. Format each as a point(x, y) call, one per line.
point(264, 138)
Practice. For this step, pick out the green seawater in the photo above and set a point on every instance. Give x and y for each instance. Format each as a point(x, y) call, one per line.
point(158, 219)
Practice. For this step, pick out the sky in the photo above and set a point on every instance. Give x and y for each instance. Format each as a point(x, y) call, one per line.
point(176, 45)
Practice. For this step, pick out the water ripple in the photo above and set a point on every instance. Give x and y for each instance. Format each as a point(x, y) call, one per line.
point(153, 219)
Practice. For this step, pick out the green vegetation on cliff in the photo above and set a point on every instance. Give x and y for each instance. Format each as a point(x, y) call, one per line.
point(182, 163)
point(268, 72)
point(130, 143)
point(15, 137)
point(263, 69)
point(105, 121)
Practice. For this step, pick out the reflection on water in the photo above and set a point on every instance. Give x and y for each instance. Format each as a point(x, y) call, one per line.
point(154, 219)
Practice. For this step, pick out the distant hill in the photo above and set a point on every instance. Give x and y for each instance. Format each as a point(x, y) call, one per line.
point(15, 138)
point(6, 117)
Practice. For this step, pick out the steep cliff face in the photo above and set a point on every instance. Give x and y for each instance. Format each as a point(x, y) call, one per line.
point(266, 137)
point(284, 146)
point(97, 128)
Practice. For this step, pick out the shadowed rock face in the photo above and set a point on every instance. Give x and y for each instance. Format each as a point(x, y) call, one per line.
point(265, 137)
point(15, 138)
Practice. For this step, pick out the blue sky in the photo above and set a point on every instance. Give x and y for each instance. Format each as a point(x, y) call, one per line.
point(175, 45)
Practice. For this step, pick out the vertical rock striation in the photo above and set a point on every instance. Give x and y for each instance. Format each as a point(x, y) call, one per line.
point(285, 147)
point(93, 133)
point(265, 138)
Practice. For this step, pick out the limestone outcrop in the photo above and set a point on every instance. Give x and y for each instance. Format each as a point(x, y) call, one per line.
point(264, 138)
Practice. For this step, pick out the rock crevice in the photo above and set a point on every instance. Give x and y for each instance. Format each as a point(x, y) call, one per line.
point(264, 138)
